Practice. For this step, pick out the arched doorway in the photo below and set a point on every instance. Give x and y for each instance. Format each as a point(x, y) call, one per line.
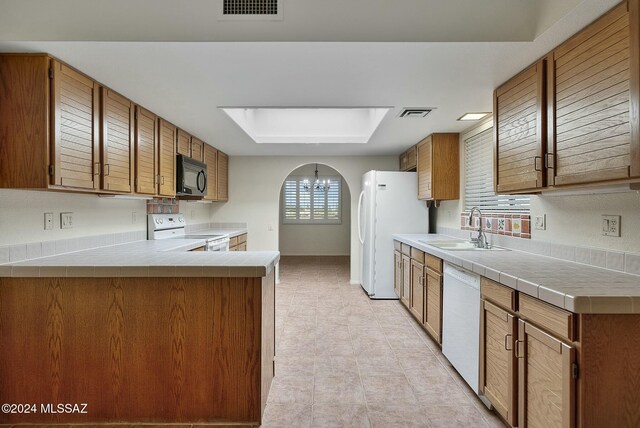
point(315, 221)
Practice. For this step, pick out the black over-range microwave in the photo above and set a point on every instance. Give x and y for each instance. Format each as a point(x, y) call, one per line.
point(191, 177)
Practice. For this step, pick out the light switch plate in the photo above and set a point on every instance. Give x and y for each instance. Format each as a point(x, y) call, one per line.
point(611, 225)
point(540, 222)
point(48, 221)
point(66, 220)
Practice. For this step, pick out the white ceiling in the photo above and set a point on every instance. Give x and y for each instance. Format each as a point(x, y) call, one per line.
point(186, 82)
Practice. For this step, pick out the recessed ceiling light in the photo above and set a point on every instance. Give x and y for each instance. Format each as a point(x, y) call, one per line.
point(308, 125)
point(473, 116)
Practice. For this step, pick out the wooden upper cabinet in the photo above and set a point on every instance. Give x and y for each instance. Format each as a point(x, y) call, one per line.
point(146, 149)
point(438, 166)
point(408, 159)
point(589, 96)
point(167, 136)
point(117, 142)
point(75, 145)
point(223, 177)
point(520, 131)
point(197, 149)
point(183, 143)
point(211, 159)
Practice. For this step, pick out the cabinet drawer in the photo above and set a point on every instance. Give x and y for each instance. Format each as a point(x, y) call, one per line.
point(417, 255)
point(498, 293)
point(233, 241)
point(242, 238)
point(549, 317)
point(397, 246)
point(406, 250)
point(434, 263)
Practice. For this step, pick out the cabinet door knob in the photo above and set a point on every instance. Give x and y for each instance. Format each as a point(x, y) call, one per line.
point(549, 160)
point(106, 169)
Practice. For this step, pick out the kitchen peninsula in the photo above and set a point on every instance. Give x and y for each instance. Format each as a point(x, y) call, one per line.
point(145, 332)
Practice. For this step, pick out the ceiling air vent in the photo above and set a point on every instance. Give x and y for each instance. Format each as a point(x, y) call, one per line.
point(250, 10)
point(415, 112)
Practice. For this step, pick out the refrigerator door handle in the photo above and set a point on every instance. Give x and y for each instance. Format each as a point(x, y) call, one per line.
point(359, 217)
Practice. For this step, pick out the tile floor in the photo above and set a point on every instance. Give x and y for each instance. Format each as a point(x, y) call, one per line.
point(344, 360)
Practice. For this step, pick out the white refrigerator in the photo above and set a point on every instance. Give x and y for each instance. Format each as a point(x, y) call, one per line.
point(388, 204)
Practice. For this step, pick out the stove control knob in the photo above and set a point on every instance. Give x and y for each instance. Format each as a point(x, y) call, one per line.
point(161, 221)
point(181, 220)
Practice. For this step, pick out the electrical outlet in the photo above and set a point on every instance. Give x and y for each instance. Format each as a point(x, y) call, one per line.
point(540, 222)
point(48, 221)
point(134, 217)
point(66, 220)
point(611, 225)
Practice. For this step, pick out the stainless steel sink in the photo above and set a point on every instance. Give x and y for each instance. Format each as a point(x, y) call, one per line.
point(460, 246)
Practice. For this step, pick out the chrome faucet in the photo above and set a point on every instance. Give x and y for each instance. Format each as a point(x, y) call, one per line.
point(481, 240)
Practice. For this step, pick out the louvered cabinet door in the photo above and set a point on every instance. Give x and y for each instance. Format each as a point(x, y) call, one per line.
point(546, 395)
point(425, 168)
point(117, 142)
point(183, 144)
point(146, 144)
point(433, 304)
point(76, 128)
point(223, 177)
point(405, 298)
point(167, 135)
point(397, 270)
point(197, 149)
point(520, 131)
point(211, 159)
point(590, 78)
point(417, 290)
point(498, 370)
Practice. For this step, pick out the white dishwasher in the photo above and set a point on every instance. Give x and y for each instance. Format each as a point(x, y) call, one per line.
point(461, 322)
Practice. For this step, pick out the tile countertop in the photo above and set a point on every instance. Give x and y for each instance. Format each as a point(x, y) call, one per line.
point(573, 286)
point(160, 258)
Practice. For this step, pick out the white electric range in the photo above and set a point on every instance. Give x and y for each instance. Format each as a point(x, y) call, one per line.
point(173, 226)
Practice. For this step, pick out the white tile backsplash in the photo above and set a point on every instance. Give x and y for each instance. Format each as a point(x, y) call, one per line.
point(615, 260)
point(18, 253)
point(599, 257)
point(34, 250)
point(5, 255)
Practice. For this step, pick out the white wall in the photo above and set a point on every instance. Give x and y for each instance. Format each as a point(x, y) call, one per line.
point(22, 215)
point(254, 191)
point(571, 220)
point(318, 239)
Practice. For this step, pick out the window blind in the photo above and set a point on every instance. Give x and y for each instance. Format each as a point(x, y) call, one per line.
point(479, 192)
point(311, 206)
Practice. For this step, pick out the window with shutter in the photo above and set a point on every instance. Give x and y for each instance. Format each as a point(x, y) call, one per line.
point(311, 206)
point(479, 191)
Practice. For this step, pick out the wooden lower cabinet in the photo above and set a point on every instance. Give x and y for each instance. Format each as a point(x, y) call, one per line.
point(433, 304)
point(405, 297)
point(417, 302)
point(397, 272)
point(546, 392)
point(238, 243)
point(498, 368)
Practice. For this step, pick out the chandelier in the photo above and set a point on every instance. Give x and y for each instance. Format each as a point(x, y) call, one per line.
point(322, 185)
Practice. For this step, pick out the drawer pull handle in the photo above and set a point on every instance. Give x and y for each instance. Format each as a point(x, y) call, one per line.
point(507, 340)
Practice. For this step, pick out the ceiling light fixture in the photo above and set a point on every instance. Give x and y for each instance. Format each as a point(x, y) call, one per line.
point(323, 185)
point(473, 116)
